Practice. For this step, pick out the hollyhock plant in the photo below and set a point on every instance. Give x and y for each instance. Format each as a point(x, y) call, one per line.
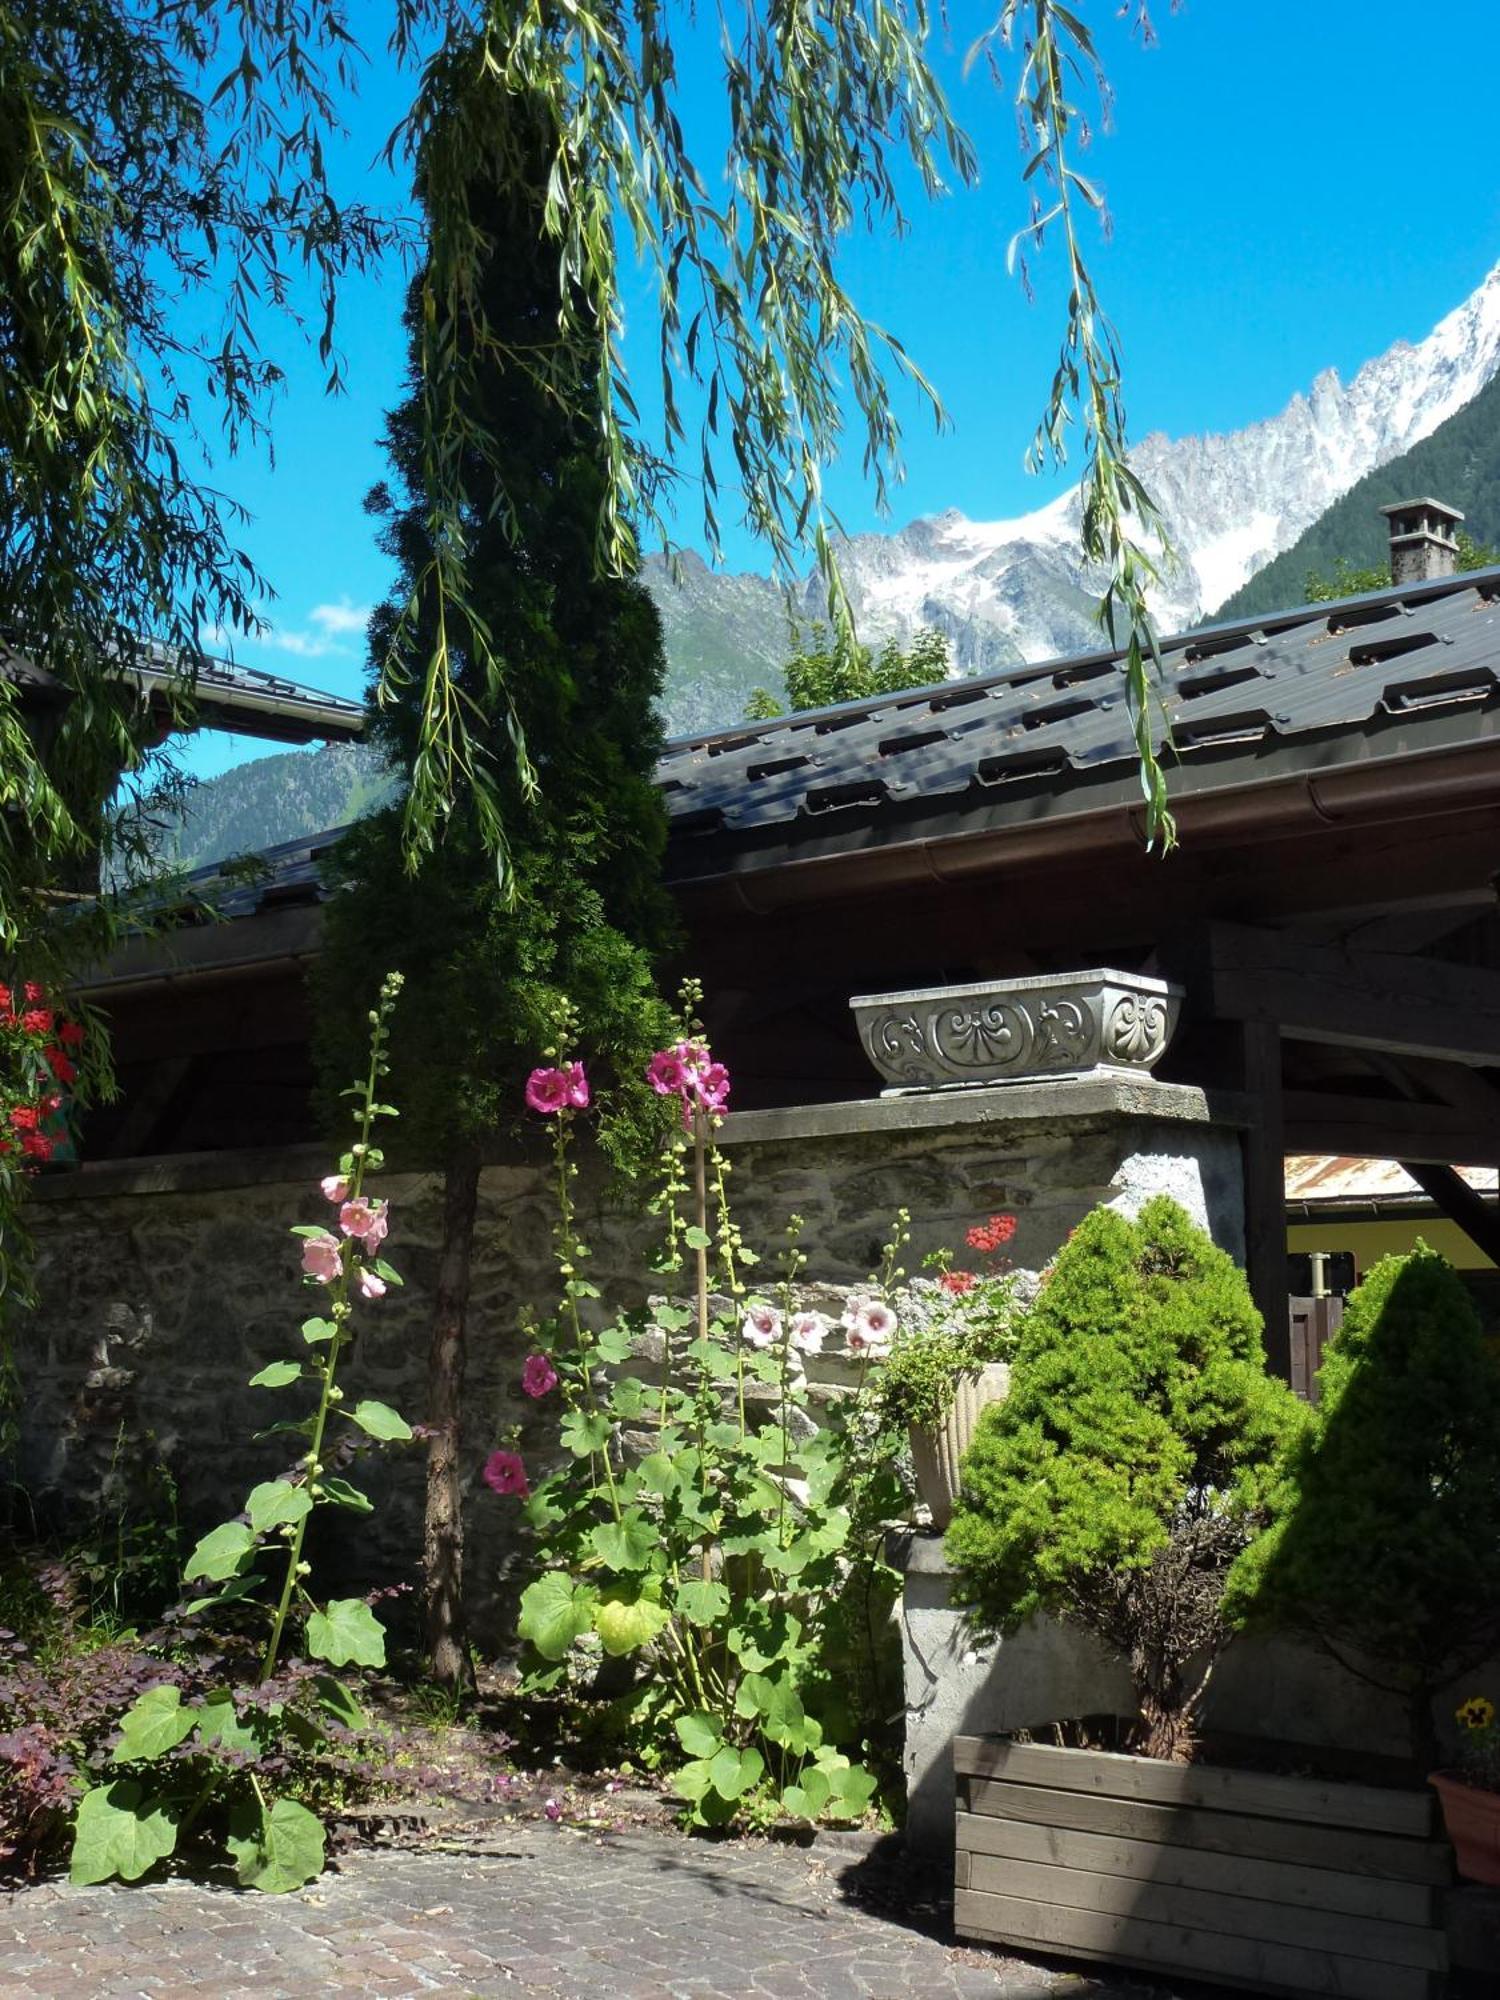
point(538, 1376)
point(505, 1472)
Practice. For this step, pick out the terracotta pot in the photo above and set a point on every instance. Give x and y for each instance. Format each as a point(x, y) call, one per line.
point(1472, 1817)
point(936, 1453)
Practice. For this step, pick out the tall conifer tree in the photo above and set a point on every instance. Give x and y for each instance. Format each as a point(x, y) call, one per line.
point(582, 914)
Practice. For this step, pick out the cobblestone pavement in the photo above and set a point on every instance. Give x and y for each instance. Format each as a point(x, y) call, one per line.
point(551, 1914)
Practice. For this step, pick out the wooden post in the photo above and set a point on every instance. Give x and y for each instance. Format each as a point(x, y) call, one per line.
point(1265, 1192)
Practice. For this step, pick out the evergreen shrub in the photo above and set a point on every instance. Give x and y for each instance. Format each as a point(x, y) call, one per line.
point(1140, 1450)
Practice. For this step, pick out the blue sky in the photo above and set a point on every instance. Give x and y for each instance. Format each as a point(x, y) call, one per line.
point(1293, 186)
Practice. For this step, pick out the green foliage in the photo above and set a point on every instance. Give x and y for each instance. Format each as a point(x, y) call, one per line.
point(1138, 1452)
point(179, 1761)
point(727, 1567)
point(828, 668)
point(1390, 1550)
point(941, 1338)
point(580, 914)
point(1459, 463)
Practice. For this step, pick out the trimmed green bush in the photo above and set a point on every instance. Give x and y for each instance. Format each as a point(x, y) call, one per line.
point(1140, 1450)
point(1390, 1552)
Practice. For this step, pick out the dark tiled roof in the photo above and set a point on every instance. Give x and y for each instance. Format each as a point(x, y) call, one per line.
point(1248, 686)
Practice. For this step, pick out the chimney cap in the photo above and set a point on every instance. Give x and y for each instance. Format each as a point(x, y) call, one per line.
point(1425, 505)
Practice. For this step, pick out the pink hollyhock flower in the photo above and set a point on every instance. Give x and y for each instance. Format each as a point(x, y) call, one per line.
point(371, 1285)
point(578, 1086)
point(713, 1087)
point(665, 1073)
point(363, 1218)
point(538, 1376)
point(335, 1187)
point(547, 1091)
point(320, 1257)
point(761, 1326)
point(809, 1331)
point(869, 1328)
point(504, 1472)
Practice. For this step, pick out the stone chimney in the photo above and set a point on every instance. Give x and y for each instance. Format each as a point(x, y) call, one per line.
point(1424, 540)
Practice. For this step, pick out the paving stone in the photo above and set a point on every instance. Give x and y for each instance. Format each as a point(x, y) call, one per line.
point(641, 1916)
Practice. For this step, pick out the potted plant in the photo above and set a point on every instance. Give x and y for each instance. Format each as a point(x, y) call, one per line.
point(1389, 1554)
point(1471, 1794)
point(1141, 1450)
point(951, 1360)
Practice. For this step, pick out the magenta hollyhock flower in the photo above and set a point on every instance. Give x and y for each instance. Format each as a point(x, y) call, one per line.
point(547, 1091)
point(713, 1087)
point(538, 1376)
point(665, 1073)
point(320, 1257)
point(578, 1086)
point(504, 1472)
point(335, 1187)
point(370, 1284)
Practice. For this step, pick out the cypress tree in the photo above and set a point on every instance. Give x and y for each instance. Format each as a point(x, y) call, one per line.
point(581, 916)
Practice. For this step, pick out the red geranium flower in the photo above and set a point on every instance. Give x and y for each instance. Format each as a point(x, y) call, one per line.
point(36, 1146)
point(70, 1034)
point(958, 1282)
point(60, 1066)
point(25, 1117)
point(37, 1020)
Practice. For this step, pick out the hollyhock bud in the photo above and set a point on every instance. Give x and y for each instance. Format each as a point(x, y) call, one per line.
point(335, 1187)
point(371, 1286)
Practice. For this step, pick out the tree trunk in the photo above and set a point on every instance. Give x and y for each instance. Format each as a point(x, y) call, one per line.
point(443, 1525)
point(1169, 1728)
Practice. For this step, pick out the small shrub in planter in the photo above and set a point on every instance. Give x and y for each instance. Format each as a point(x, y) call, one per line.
point(1389, 1554)
point(1139, 1452)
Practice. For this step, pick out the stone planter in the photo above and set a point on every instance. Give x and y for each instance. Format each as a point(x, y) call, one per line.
point(1097, 1023)
point(1472, 1817)
point(935, 1454)
point(1279, 1884)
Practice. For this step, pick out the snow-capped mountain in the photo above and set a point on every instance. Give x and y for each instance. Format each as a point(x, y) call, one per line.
point(1008, 590)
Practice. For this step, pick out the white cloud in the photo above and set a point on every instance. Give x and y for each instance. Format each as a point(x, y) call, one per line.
point(325, 633)
point(341, 620)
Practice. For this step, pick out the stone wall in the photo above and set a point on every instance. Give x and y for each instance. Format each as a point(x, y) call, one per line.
point(164, 1286)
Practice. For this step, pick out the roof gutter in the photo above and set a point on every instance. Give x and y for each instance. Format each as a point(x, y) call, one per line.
point(1366, 794)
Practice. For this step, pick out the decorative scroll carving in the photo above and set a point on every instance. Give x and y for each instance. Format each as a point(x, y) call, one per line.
point(1013, 1030)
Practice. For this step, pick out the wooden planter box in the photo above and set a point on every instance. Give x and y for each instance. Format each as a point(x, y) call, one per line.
point(1284, 1885)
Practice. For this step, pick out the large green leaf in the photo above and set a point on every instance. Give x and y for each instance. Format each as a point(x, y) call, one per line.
point(700, 1735)
point(316, 1330)
point(221, 1553)
point(851, 1787)
point(276, 1375)
point(380, 1421)
point(585, 1431)
point(338, 1702)
point(657, 1474)
point(118, 1832)
point(276, 1851)
point(614, 1344)
point(155, 1723)
point(693, 1781)
point(625, 1624)
point(219, 1724)
point(346, 1633)
point(735, 1772)
point(554, 1612)
point(276, 1501)
point(342, 1494)
point(626, 1544)
point(703, 1603)
point(807, 1798)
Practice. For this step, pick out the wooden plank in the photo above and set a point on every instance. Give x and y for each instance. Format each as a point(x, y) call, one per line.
point(1181, 1863)
point(1385, 1856)
point(1355, 999)
point(1388, 1128)
point(1111, 1775)
point(1265, 1193)
point(1262, 1966)
point(1210, 1910)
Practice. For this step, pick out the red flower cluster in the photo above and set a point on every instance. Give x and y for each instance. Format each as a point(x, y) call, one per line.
point(34, 1063)
point(991, 1235)
point(958, 1282)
